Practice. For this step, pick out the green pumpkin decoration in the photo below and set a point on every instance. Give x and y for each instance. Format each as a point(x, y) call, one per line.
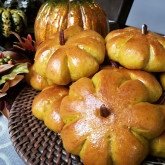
point(11, 20)
point(55, 15)
point(29, 7)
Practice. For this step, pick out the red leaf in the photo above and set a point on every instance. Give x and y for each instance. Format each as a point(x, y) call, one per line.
point(29, 37)
point(26, 46)
point(1, 55)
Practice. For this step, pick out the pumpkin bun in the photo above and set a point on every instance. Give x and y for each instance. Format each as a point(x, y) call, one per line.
point(67, 59)
point(110, 118)
point(35, 80)
point(137, 49)
point(157, 145)
point(162, 79)
point(46, 106)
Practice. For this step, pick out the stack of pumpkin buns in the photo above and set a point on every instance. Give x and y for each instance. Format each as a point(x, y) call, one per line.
point(109, 112)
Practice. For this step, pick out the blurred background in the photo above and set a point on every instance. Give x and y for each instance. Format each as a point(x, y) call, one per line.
point(149, 12)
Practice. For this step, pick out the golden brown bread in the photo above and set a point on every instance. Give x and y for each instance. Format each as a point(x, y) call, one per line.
point(109, 118)
point(36, 80)
point(135, 50)
point(157, 145)
point(162, 79)
point(83, 52)
point(46, 106)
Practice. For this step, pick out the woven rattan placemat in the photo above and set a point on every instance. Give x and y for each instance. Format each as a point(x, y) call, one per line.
point(35, 143)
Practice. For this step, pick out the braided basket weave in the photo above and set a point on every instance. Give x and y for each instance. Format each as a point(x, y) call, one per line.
point(35, 143)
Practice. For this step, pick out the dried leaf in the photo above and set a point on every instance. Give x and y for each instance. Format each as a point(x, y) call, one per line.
point(20, 68)
point(5, 87)
point(10, 83)
point(16, 80)
point(2, 105)
point(2, 94)
point(23, 61)
point(16, 46)
point(4, 109)
point(5, 67)
point(27, 45)
point(13, 55)
point(16, 35)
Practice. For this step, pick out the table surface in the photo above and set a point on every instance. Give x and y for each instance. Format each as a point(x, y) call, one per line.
point(8, 155)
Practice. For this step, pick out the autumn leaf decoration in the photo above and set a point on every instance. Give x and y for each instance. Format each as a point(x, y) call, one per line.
point(25, 46)
point(12, 78)
point(22, 54)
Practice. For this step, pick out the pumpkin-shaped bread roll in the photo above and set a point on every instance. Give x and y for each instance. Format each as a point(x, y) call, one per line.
point(35, 80)
point(157, 145)
point(67, 59)
point(46, 106)
point(110, 118)
point(162, 79)
point(137, 49)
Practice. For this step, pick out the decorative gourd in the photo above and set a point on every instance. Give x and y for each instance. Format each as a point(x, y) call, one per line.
point(12, 20)
point(46, 106)
point(55, 15)
point(81, 55)
point(29, 7)
point(137, 49)
point(35, 80)
point(109, 118)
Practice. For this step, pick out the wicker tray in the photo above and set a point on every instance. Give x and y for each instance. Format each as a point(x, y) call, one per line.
point(35, 143)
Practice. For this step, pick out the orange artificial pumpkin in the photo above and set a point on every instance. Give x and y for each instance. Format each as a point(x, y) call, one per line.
point(80, 54)
point(46, 106)
point(109, 119)
point(55, 15)
point(137, 49)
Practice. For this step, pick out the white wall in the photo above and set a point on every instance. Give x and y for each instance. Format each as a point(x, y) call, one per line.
point(149, 12)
